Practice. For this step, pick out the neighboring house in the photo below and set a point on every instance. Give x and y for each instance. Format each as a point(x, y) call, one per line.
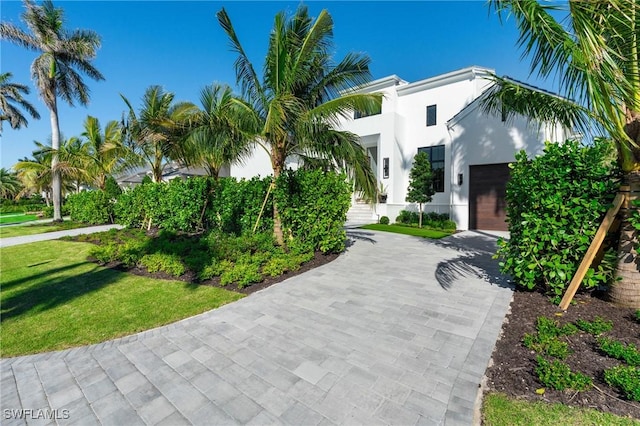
point(469, 150)
point(171, 170)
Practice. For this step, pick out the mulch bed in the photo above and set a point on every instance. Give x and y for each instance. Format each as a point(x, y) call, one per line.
point(319, 259)
point(513, 365)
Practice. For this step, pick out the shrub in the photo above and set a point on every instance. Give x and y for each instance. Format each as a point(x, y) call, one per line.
point(626, 379)
point(111, 188)
point(555, 204)
point(547, 341)
point(627, 353)
point(596, 327)
point(384, 220)
point(243, 274)
point(429, 219)
point(313, 207)
point(557, 375)
point(92, 207)
point(104, 253)
point(167, 263)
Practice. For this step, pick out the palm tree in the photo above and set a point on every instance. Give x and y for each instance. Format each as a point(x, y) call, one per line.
point(302, 96)
point(592, 51)
point(56, 70)
point(35, 173)
point(9, 184)
point(107, 154)
point(159, 130)
point(221, 132)
point(12, 93)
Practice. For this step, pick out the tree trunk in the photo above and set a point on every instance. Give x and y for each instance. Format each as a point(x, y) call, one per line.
point(626, 291)
point(277, 162)
point(56, 182)
point(420, 216)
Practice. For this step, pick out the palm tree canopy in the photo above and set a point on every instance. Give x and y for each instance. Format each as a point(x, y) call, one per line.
point(9, 184)
point(11, 93)
point(62, 53)
point(303, 94)
point(160, 128)
point(222, 131)
point(591, 49)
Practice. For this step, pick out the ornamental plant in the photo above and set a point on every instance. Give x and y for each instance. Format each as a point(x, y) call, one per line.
point(555, 204)
point(420, 188)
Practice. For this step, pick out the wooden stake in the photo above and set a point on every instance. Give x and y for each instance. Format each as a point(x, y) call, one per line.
point(591, 252)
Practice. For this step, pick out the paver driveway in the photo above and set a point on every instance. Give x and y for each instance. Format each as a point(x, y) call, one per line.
point(398, 330)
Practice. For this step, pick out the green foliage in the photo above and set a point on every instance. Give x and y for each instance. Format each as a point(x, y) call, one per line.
point(111, 188)
point(596, 327)
point(547, 341)
point(163, 262)
point(638, 315)
point(384, 220)
point(420, 188)
point(313, 207)
point(557, 375)
point(242, 273)
point(429, 219)
point(175, 206)
point(555, 204)
point(104, 253)
point(626, 379)
point(146, 180)
point(92, 207)
point(635, 221)
point(627, 353)
point(236, 205)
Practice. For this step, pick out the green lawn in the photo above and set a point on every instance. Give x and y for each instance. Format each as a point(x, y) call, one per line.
point(53, 298)
point(17, 218)
point(416, 232)
point(499, 410)
point(37, 228)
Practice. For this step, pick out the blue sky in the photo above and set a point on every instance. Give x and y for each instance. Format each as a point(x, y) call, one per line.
point(180, 45)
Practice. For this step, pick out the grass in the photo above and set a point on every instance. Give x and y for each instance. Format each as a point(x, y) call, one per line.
point(500, 410)
point(53, 298)
point(37, 228)
point(416, 232)
point(17, 218)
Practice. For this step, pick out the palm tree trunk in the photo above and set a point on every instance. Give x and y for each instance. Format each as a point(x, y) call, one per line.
point(626, 291)
point(277, 160)
point(56, 182)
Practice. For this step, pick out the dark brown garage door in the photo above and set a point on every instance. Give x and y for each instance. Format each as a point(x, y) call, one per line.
point(487, 189)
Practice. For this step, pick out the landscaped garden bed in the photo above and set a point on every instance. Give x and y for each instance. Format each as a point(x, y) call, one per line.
point(513, 370)
point(239, 263)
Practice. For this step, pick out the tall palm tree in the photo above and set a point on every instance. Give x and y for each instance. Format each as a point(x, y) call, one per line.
point(591, 48)
point(56, 71)
point(11, 93)
point(302, 96)
point(9, 184)
point(222, 131)
point(107, 153)
point(160, 128)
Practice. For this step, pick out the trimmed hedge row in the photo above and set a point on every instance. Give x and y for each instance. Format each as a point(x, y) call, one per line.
point(312, 204)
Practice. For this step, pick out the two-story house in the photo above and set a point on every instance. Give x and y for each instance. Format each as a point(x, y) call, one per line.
point(469, 150)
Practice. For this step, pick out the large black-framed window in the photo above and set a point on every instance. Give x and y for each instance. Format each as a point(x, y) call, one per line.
point(436, 158)
point(432, 115)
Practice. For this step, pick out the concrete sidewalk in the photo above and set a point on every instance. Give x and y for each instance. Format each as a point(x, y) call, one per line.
point(25, 239)
point(398, 330)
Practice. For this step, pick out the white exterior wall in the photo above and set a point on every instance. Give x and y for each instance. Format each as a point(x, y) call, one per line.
point(258, 164)
point(470, 138)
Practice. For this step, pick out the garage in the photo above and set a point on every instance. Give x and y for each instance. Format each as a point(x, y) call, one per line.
point(487, 196)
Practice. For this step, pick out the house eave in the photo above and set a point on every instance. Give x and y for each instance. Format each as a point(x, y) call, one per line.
point(444, 79)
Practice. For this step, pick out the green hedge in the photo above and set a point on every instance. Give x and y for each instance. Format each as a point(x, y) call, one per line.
point(555, 203)
point(313, 206)
point(92, 207)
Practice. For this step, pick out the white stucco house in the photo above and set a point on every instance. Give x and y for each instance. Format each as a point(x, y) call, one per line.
point(469, 150)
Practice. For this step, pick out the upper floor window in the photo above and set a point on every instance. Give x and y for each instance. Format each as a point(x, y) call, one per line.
point(360, 114)
point(431, 115)
point(436, 158)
